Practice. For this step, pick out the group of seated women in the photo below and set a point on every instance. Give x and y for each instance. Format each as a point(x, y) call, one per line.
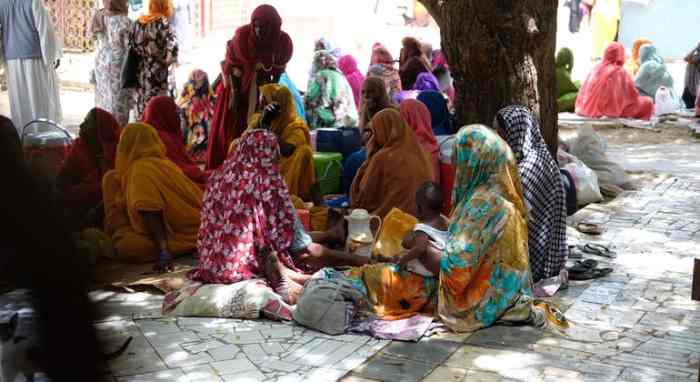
point(620, 88)
point(243, 223)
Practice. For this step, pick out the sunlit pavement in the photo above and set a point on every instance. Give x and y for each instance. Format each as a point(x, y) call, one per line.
point(637, 324)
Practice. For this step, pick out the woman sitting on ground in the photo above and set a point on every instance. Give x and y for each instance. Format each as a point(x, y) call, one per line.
point(329, 101)
point(92, 155)
point(248, 214)
point(632, 64)
point(374, 99)
point(542, 188)
point(609, 91)
point(567, 90)
point(396, 166)
point(484, 272)
point(439, 112)
point(151, 206)
point(653, 74)
point(162, 114)
point(692, 77)
point(296, 163)
point(417, 116)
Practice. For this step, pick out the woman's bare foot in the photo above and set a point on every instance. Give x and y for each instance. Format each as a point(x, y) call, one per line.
point(281, 278)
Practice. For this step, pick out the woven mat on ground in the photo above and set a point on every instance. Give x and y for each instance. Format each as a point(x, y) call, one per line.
point(139, 277)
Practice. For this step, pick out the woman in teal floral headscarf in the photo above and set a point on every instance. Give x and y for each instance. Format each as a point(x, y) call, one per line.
point(329, 100)
point(485, 269)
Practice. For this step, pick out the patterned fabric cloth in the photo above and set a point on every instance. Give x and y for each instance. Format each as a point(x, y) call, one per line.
point(197, 105)
point(247, 208)
point(543, 191)
point(382, 66)
point(156, 44)
point(485, 272)
point(329, 100)
point(113, 47)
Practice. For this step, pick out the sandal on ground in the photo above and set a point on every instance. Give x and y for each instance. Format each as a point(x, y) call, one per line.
point(590, 274)
point(589, 229)
point(598, 250)
point(583, 266)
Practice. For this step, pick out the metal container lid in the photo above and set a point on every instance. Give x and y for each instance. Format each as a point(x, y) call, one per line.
point(55, 138)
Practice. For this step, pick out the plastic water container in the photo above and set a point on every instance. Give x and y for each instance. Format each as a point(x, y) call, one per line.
point(46, 144)
point(329, 169)
point(343, 140)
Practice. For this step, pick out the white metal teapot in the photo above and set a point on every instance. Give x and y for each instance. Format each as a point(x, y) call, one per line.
point(360, 237)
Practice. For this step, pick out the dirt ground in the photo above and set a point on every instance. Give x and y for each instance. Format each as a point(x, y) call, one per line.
point(664, 134)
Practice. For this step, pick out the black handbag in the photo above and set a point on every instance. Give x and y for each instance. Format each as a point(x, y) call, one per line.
point(130, 69)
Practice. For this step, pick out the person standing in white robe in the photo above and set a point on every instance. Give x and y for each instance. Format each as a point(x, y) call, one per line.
point(31, 53)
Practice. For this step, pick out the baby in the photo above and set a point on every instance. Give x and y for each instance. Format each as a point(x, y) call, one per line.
point(428, 237)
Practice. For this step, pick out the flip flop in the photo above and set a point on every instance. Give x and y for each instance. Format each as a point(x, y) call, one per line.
point(575, 252)
point(598, 250)
point(589, 229)
point(583, 266)
point(590, 274)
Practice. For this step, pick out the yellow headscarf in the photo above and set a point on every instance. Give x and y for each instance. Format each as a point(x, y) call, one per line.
point(281, 95)
point(157, 9)
point(138, 141)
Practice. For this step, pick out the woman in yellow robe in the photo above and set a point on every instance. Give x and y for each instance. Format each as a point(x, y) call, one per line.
point(151, 207)
point(296, 162)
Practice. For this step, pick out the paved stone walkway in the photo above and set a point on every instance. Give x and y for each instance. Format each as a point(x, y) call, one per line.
point(638, 324)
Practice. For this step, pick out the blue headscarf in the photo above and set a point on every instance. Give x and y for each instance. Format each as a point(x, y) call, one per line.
point(298, 100)
point(437, 105)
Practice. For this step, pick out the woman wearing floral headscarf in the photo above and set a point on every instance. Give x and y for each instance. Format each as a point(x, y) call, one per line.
point(329, 100)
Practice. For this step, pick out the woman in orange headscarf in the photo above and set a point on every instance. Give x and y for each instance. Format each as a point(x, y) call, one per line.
point(257, 55)
point(418, 118)
point(151, 207)
point(396, 166)
point(632, 64)
point(153, 39)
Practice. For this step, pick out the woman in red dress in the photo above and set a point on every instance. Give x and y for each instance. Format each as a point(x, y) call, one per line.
point(257, 55)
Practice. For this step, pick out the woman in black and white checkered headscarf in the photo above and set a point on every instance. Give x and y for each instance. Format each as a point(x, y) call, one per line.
point(543, 191)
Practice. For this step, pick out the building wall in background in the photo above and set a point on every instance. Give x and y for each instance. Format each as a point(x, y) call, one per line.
point(673, 25)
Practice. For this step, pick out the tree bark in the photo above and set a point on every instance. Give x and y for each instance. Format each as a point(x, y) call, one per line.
point(501, 53)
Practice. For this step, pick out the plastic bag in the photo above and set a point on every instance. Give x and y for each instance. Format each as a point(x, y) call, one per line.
point(664, 101)
point(589, 147)
point(585, 179)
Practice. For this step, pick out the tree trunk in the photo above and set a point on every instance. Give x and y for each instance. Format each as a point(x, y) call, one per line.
point(501, 53)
